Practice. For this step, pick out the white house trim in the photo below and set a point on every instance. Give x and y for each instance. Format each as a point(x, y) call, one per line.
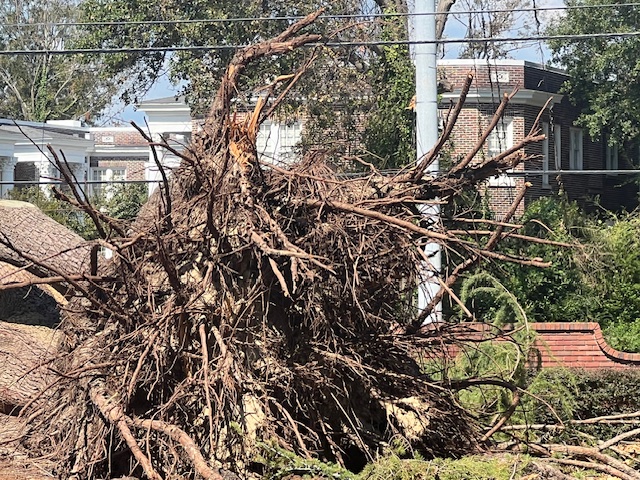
point(535, 98)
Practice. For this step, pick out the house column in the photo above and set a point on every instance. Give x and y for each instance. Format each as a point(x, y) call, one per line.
point(7, 169)
point(46, 173)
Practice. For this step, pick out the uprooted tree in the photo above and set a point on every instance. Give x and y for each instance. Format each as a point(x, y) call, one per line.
point(252, 302)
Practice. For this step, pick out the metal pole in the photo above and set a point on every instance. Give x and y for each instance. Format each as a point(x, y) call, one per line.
point(425, 51)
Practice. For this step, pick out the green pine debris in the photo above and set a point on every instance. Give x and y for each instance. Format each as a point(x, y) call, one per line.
point(281, 464)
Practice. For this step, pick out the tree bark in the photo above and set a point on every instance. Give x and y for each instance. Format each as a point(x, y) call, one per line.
point(57, 248)
point(442, 9)
point(24, 355)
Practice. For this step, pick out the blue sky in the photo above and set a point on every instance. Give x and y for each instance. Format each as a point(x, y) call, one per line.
point(121, 114)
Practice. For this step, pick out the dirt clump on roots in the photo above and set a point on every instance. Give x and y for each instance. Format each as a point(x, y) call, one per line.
point(252, 302)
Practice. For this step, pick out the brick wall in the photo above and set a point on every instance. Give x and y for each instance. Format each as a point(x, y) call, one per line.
point(571, 345)
point(471, 124)
point(134, 166)
point(120, 137)
point(485, 76)
point(577, 345)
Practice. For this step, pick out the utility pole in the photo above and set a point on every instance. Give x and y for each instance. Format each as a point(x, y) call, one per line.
point(425, 54)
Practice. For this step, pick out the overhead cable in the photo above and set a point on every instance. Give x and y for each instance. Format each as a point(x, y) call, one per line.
point(364, 43)
point(322, 17)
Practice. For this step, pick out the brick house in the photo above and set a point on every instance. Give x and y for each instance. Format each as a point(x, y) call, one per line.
point(118, 154)
point(568, 149)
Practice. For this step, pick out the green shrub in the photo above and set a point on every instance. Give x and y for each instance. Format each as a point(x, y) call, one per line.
point(596, 279)
point(564, 395)
point(557, 293)
point(490, 300)
point(279, 463)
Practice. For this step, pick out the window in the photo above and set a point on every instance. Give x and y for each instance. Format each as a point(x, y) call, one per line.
point(181, 138)
point(499, 140)
point(575, 149)
point(557, 146)
point(545, 155)
point(610, 156)
point(106, 175)
point(265, 140)
point(276, 141)
point(290, 134)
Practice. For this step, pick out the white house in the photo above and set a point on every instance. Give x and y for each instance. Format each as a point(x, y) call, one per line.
point(119, 153)
point(26, 157)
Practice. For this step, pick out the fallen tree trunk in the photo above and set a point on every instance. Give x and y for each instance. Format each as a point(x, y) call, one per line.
point(26, 353)
point(53, 250)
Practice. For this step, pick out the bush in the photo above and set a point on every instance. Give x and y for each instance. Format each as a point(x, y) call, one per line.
point(598, 279)
point(557, 293)
point(563, 395)
point(503, 467)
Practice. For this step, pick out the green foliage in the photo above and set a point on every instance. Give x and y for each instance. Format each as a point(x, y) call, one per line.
point(623, 335)
point(562, 395)
point(503, 360)
point(392, 467)
point(280, 463)
point(551, 397)
point(596, 279)
point(355, 98)
point(123, 201)
point(118, 201)
point(200, 69)
point(495, 305)
point(389, 136)
point(490, 300)
point(612, 270)
point(45, 87)
point(604, 72)
point(557, 293)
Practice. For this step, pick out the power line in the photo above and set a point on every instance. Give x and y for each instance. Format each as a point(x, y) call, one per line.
point(192, 48)
point(389, 172)
point(524, 173)
point(322, 17)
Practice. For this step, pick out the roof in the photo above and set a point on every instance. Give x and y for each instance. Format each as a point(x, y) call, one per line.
point(180, 99)
point(40, 134)
point(483, 62)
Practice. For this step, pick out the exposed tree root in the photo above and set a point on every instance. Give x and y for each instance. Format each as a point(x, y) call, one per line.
point(251, 301)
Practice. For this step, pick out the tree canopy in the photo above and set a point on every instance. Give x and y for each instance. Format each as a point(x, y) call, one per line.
point(44, 86)
point(604, 72)
point(199, 23)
